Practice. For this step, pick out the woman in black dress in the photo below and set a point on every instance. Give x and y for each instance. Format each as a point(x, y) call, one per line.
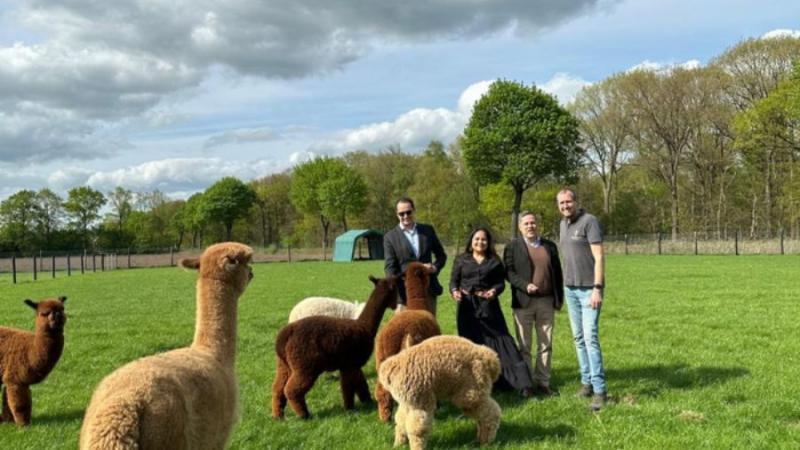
point(477, 280)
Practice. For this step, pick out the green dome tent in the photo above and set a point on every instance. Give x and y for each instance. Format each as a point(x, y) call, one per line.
point(358, 244)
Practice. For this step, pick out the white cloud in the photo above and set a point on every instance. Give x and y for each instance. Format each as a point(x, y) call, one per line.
point(471, 95)
point(781, 33)
point(564, 86)
point(655, 66)
point(240, 136)
point(301, 157)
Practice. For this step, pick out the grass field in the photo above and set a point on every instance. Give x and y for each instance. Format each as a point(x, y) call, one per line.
point(701, 352)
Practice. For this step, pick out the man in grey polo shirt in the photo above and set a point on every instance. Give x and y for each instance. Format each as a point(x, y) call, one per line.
point(581, 244)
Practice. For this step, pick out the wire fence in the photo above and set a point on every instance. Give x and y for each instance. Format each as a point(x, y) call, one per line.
point(700, 243)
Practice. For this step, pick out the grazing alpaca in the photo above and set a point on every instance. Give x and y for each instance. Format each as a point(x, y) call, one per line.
point(317, 344)
point(415, 324)
point(185, 398)
point(27, 358)
point(325, 306)
point(442, 368)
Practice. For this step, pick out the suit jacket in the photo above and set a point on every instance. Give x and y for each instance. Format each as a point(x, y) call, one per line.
point(398, 253)
point(519, 272)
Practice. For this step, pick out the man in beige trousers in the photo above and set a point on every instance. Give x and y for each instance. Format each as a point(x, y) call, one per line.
point(537, 290)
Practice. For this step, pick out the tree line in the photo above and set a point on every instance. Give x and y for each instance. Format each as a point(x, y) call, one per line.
point(712, 149)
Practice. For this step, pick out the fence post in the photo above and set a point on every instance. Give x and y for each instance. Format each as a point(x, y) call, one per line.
point(695, 242)
point(659, 242)
point(172, 256)
point(83, 256)
point(94, 262)
point(129, 257)
point(102, 262)
point(34, 267)
point(53, 266)
point(782, 241)
point(289, 247)
point(736, 243)
point(41, 262)
point(69, 266)
point(14, 268)
point(626, 243)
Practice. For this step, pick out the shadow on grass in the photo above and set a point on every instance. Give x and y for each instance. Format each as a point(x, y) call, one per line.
point(58, 418)
point(651, 380)
point(509, 433)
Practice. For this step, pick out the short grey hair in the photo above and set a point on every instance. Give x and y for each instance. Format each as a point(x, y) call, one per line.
point(524, 213)
point(570, 191)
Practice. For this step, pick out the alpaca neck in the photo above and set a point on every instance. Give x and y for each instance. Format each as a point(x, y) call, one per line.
point(215, 329)
point(418, 303)
point(373, 313)
point(45, 351)
point(416, 294)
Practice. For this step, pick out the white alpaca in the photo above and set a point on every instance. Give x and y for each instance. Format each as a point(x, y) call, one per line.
point(185, 398)
point(326, 306)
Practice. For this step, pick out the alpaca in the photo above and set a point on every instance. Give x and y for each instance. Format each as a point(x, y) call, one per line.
point(185, 398)
point(325, 306)
point(317, 344)
point(27, 358)
point(442, 368)
point(416, 323)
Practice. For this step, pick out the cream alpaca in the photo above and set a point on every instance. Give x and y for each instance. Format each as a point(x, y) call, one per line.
point(185, 398)
point(441, 368)
point(325, 306)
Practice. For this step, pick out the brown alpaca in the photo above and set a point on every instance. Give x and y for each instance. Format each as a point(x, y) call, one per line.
point(185, 398)
point(412, 326)
point(27, 358)
point(317, 344)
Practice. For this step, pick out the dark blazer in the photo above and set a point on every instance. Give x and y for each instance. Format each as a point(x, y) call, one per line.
point(519, 272)
point(398, 253)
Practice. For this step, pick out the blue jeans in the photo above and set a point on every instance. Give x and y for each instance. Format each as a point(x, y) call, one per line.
point(584, 321)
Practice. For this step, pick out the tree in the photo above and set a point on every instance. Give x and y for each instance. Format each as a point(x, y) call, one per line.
point(17, 214)
point(48, 213)
point(521, 136)
point(227, 200)
point(82, 205)
point(121, 201)
point(328, 188)
point(604, 132)
point(273, 206)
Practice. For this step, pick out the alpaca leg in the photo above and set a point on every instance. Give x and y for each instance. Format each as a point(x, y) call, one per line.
point(418, 426)
point(6, 415)
point(19, 400)
point(362, 388)
point(296, 389)
point(487, 414)
point(348, 384)
point(384, 399)
point(400, 436)
point(278, 397)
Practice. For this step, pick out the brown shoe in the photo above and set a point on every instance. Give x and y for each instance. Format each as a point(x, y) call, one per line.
point(585, 391)
point(527, 392)
point(544, 391)
point(598, 401)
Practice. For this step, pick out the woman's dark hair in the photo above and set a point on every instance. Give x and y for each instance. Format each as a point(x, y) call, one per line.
point(489, 240)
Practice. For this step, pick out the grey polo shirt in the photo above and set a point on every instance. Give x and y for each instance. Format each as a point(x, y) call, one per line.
point(576, 236)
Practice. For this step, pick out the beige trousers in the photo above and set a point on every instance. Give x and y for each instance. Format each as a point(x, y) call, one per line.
point(539, 314)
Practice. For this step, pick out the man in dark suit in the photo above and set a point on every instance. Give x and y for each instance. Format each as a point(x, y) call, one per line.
point(411, 241)
point(537, 291)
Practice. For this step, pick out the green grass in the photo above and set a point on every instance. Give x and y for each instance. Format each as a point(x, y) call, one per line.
point(700, 352)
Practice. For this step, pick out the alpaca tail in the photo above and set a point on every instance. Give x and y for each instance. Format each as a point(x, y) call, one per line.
point(112, 428)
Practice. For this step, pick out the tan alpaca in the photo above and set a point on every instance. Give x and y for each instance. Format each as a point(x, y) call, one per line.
point(27, 358)
point(441, 368)
point(185, 398)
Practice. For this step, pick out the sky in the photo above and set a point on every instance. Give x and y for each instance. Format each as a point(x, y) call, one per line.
point(175, 94)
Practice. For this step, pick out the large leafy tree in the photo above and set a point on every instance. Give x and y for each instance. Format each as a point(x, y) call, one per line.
point(273, 207)
point(121, 202)
point(521, 136)
point(227, 200)
point(330, 189)
point(48, 215)
point(83, 205)
point(17, 214)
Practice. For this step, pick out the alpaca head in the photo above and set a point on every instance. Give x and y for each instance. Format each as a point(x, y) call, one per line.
point(385, 288)
point(228, 262)
point(417, 275)
point(49, 314)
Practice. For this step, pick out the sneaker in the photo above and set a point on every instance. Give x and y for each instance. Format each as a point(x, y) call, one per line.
point(598, 401)
point(585, 391)
point(544, 391)
point(527, 392)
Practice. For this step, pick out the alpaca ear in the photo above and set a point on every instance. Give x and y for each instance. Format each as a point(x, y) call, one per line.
point(31, 303)
point(190, 263)
point(62, 298)
point(407, 342)
point(373, 279)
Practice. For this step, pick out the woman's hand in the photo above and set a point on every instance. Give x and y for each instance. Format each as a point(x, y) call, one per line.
point(456, 294)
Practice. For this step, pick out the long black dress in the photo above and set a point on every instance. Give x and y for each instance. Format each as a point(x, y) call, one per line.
point(481, 320)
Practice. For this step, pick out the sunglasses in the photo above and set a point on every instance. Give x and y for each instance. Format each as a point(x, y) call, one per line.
point(405, 213)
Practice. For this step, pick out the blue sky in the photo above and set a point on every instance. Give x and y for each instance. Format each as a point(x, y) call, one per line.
point(173, 95)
